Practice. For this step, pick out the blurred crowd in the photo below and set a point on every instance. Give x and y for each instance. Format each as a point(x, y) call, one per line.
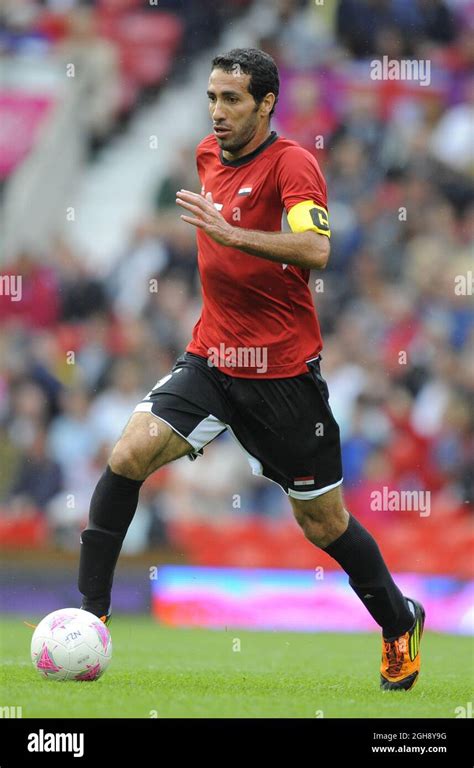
point(395, 303)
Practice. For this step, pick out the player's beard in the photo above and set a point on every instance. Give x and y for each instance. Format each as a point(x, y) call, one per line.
point(240, 140)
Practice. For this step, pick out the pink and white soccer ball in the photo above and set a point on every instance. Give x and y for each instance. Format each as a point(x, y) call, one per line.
point(71, 644)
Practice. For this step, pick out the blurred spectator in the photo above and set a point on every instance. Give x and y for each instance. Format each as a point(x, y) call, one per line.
point(362, 23)
point(97, 60)
point(452, 141)
point(307, 116)
point(28, 412)
point(37, 302)
point(38, 478)
point(183, 175)
point(113, 407)
point(81, 292)
point(70, 435)
point(94, 355)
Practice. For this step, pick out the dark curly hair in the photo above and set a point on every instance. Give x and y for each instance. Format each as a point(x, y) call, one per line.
point(258, 64)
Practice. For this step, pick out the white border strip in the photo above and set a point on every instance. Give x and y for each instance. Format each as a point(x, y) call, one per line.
point(146, 408)
point(302, 495)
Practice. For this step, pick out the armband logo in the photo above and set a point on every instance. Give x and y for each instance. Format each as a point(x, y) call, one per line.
point(320, 218)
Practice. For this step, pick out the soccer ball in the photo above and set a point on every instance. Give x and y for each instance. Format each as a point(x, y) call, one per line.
point(71, 644)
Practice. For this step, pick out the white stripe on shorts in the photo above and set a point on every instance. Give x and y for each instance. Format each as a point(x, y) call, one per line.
point(302, 495)
point(202, 434)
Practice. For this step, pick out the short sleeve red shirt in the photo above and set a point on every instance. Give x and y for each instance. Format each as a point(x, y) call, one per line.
point(248, 301)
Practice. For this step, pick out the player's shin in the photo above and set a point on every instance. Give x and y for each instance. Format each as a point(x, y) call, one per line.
point(358, 554)
point(112, 508)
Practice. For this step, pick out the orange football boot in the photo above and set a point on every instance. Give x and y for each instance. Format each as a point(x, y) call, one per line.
point(400, 666)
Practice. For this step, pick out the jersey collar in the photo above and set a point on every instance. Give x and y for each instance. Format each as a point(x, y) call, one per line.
point(247, 158)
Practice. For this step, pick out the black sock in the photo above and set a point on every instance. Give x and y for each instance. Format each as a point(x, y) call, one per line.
point(357, 553)
point(112, 508)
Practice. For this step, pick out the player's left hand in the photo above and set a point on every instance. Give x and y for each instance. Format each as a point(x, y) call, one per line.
point(207, 217)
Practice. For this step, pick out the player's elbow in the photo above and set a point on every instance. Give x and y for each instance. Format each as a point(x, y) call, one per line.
point(320, 249)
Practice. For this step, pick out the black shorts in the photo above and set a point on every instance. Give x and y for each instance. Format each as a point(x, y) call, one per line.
point(285, 426)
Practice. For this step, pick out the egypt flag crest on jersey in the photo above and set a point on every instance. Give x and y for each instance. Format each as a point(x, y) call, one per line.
point(251, 303)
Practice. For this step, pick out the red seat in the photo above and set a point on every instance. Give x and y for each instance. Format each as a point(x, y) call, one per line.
point(161, 30)
point(116, 6)
point(52, 25)
point(144, 65)
point(24, 532)
point(156, 30)
point(408, 544)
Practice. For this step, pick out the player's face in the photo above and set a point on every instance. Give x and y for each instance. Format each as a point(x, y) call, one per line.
point(236, 118)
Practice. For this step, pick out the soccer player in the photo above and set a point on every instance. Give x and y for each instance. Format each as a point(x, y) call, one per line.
point(253, 364)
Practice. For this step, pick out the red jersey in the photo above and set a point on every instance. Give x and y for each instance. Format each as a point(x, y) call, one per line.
point(258, 318)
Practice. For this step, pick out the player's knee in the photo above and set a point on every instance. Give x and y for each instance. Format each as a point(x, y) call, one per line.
point(321, 526)
point(127, 460)
point(315, 530)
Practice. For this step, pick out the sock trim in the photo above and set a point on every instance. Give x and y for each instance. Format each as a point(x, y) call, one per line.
point(124, 480)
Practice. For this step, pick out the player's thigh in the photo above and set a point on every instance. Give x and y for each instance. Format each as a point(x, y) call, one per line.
point(327, 506)
point(290, 434)
point(147, 443)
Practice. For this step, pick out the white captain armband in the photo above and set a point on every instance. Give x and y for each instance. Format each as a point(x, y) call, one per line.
point(309, 216)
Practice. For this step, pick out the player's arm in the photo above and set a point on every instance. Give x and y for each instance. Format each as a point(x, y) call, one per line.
point(306, 246)
point(307, 250)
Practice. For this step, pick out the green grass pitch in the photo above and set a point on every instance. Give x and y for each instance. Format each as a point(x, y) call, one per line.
point(162, 672)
